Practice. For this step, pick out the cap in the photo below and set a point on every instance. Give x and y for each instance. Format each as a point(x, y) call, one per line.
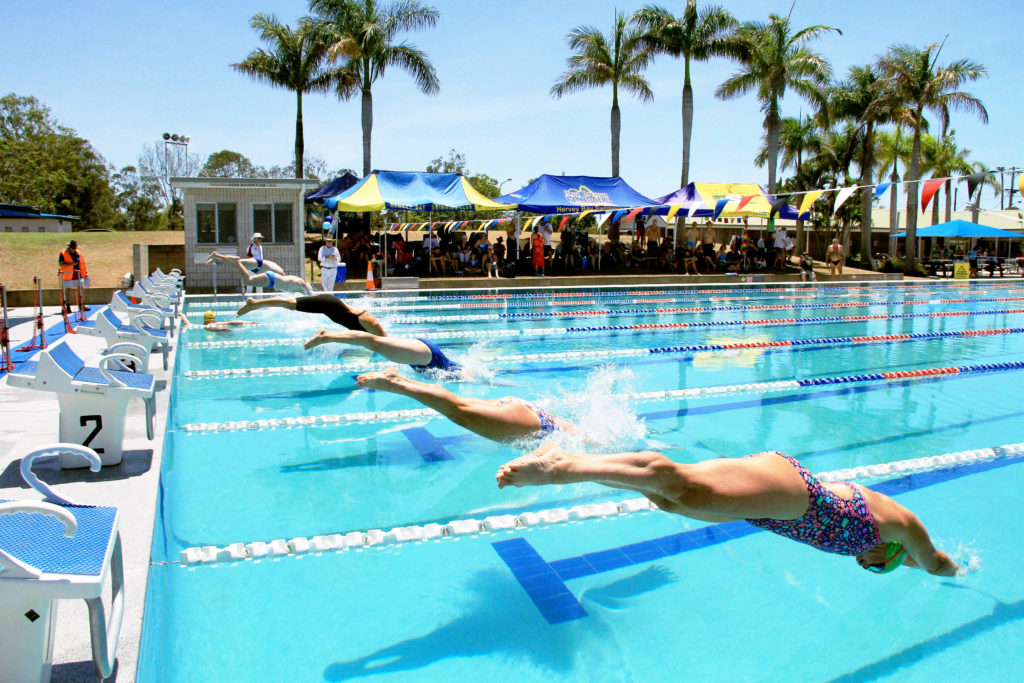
point(209, 316)
point(257, 235)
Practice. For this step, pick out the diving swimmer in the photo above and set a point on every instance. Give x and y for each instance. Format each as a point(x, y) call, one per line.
point(419, 354)
point(326, 304)
point(503, 419)
point(770, 490)
point(210, 322)
point(262, 273)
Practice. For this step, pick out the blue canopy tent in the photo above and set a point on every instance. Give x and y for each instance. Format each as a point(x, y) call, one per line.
point(961, 228)
point(574, 193)
point(333, 188)
point(412, 191)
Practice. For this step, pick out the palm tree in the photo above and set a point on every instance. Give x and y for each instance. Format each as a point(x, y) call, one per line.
point(860, 99)
point(892, 149)
point(599, 60)
point(293, 60)
point(915, 83)
point(773, 59)
point(695, 36)
point(363, 33)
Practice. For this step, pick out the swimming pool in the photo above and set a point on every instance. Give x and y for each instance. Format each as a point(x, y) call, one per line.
point(266, 441)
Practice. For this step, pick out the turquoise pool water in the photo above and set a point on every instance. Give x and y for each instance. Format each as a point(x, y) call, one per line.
point(640, 596)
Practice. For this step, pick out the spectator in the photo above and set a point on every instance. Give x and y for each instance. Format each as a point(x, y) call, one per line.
point(72, 269)
point(835, 257)
point(330, 259)
point(691, 236)
point(707, 239)
point(653, 233)
point(537, 254)
point(499, 251)
point(255, 251)
point(807, 268)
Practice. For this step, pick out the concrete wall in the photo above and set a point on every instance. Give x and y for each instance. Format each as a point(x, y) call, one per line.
point(243, 193)
point(8, 224)
point(146, 258)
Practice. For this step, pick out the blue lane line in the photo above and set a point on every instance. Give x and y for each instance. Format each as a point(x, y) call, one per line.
point(545, 581)
point(53, 335)
point(551, 596)
point(430, 448)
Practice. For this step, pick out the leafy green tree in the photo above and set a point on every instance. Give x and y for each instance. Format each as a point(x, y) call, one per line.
point(138, 200)
point(618, 60)
point(892, 149)
point(773, 59)
point(363, 34)
point(696, 36)
point(44, 164)
point(914, 83)
point(230, 164)
point(294, 60)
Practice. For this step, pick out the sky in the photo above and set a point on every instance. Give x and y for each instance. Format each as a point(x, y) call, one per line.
point(122, 72)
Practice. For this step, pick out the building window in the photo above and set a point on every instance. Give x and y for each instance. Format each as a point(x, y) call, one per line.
point(24, 228)
point(273, 221)
point(217, 223)
point(41, 228)
point(7, 228)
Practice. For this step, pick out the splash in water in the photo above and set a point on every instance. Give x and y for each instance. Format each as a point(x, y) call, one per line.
point(966, 556)
point(605, 420)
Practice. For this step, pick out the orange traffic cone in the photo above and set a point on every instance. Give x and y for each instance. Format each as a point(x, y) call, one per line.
point(369, 276)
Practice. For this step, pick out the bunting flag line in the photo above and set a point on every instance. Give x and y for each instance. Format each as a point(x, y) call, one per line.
point(880, 190)
point(843, 195)
point(809, 199)
point(929, 189)
point(695, 207)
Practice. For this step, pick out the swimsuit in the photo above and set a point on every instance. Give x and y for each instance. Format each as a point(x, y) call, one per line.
point(438, 361)
point(332, 307)
point(271, 276)
point(833, 524)
point(547, 422)
point(256, 270)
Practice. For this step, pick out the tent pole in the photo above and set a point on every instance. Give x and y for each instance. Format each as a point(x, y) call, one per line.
point(430, 229)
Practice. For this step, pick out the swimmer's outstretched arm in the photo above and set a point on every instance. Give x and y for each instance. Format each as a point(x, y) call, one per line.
point(897, 523)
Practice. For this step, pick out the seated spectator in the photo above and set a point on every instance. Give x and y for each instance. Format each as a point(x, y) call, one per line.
point(489, 262)
point(733, 260)
point(690, 261)
point(807, 268)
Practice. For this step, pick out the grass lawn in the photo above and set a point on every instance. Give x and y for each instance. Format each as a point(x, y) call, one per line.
point(108, 255)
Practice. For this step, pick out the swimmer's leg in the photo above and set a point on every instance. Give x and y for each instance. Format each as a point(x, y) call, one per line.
point(488, 418)
point(397, 349)
point(714, 490)
point(274, 302)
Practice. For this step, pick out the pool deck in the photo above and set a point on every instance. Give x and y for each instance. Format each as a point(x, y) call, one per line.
point(29, 419)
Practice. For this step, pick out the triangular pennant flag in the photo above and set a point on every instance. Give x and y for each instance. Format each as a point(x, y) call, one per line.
point(776, 207)
point(844, 194)
point(602, 218)
point(632, 214)
point(929, 189)
point(695, 207)
point(973, 181)
point(674, 209)
point(745, 200)
point(1021, 183)
point(809, 199)
point(565, 220)
point(720, 207)
point(616, 216)
point(585, 213)
point(880, 190)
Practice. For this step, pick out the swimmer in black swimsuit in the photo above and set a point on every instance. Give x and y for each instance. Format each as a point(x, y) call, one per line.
point(506, 419)
point(325, 304)
point(421, 355)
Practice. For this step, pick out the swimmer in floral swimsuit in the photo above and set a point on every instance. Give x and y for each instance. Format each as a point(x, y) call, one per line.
point(770, 490)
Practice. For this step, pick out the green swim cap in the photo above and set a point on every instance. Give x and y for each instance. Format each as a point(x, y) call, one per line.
point(895, 555)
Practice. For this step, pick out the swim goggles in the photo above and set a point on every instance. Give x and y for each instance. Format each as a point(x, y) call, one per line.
point(895, 555)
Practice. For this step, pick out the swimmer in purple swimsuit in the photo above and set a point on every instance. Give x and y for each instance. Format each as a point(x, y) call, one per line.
point(506, 419)
point(419, 354)
point(770, 490)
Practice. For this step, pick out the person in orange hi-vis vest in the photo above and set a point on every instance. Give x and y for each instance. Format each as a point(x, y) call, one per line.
point(72, 266)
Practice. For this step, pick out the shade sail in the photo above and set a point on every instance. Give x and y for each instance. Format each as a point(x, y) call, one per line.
point(333, 188)
point(413, 192)
point(704, 196)
point(574, 193)
point(961, 228)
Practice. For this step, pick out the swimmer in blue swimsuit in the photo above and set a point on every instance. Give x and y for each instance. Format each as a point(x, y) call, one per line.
point(506, 419)
point(770, 490)
point(421, 355)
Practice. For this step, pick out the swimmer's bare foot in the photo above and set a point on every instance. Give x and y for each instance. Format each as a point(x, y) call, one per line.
point(383, 380)
point(214, 257)
point(322, 336)
point(249, 305)
point(549, 464)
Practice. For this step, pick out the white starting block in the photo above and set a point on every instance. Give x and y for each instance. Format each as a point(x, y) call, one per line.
point(56, 550)
point(93, 400)
point(115, 331)
point(155, 298)
point(122, 304)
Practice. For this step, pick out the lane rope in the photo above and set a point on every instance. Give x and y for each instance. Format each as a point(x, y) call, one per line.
point(356, 540)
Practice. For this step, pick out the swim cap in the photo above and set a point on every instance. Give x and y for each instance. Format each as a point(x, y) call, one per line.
point(209, 316)
point(895, 555)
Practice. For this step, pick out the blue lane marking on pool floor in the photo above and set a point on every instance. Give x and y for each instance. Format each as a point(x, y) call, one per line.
point(544, 582)
point(430, 448)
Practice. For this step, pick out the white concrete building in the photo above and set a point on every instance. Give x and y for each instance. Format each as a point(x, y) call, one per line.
point(18, 218)
point(223, 213)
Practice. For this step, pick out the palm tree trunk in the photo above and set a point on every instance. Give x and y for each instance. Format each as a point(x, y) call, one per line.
point(867, 167)
point(912, 196)
point(367, 120)
point(949, 200)
point(616, 126)
point(894, 208)
point(687, 124)
point(771, 126)
point(299, 142)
